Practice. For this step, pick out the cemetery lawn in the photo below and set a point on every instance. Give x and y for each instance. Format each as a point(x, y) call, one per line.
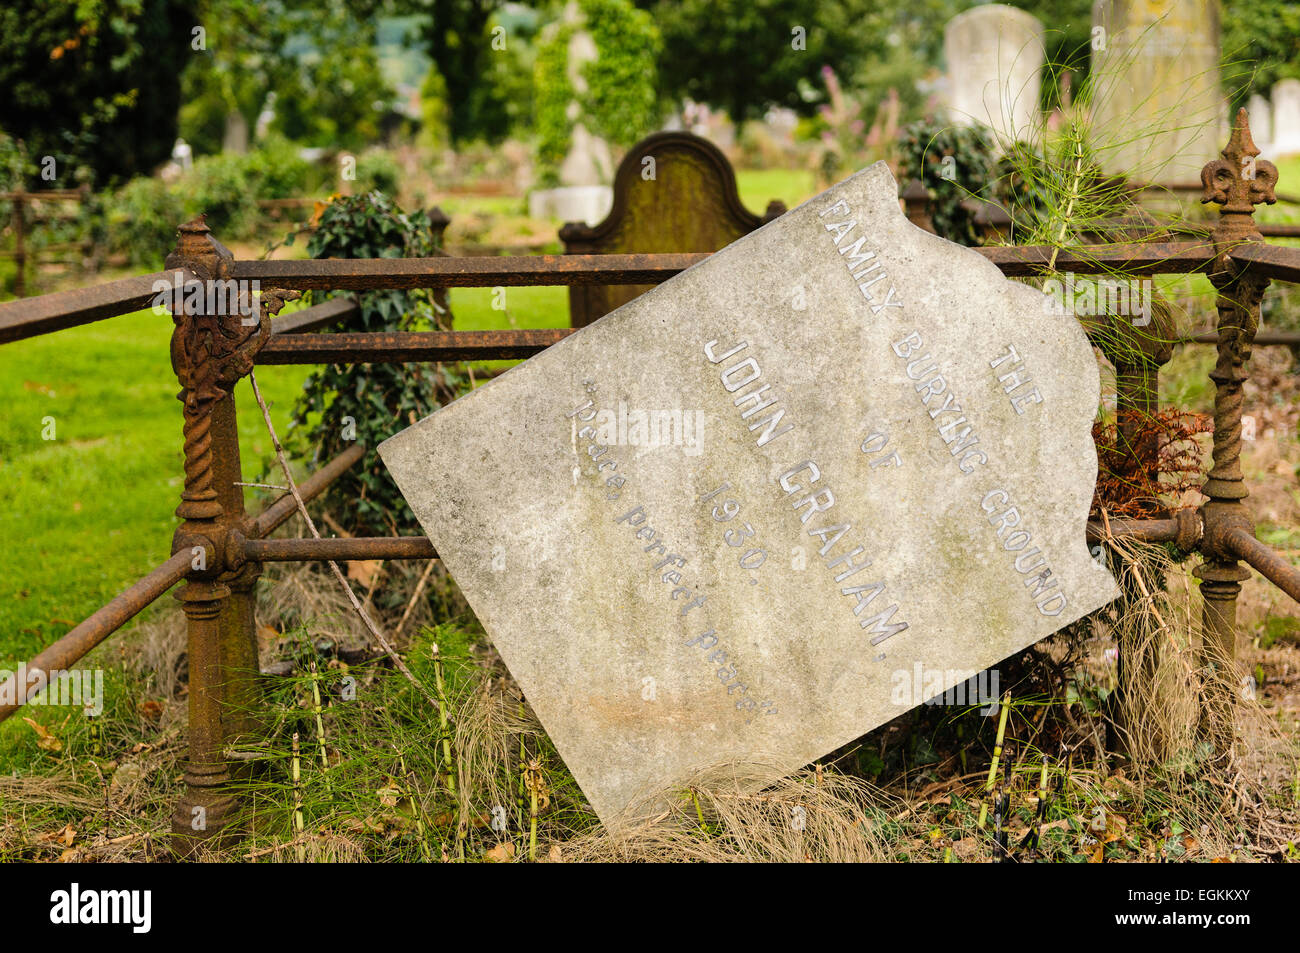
point(83, 515)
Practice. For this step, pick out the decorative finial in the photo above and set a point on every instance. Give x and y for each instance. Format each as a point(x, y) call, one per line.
point(1238, 182)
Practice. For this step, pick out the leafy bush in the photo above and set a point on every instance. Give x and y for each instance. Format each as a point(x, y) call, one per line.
point(278, 171)
point(141, 220)
point(341, 404)
point(377, 171)
point(225, 188)
point(954, 163)
point(141, 217)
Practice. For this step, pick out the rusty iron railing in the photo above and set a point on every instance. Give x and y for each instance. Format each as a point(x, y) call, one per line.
point(219, 549)
point(21, 200)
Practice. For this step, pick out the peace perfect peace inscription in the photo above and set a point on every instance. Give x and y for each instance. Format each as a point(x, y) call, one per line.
point(724, 522)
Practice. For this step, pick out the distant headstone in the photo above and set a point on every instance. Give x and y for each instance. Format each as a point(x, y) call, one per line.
point(1158, 110)
point(832, 471)
point(674, 192)
point(583, 194)
point(1286, 117)
point(1260, 112)
point(995, 57)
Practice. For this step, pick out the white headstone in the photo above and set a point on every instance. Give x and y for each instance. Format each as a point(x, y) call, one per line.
point(995, 59)
point(1158, 110)
point(1286, 117)
point(1261, 123)
point(837, 468)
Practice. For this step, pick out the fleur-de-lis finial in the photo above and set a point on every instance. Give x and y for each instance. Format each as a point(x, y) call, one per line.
point(1238, 182)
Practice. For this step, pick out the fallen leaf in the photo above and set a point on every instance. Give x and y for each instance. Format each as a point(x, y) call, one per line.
point(151, 710)
point(1115, 827)
point(501, 853)
point(46, 740)
point(364, 570)
point(65, 836)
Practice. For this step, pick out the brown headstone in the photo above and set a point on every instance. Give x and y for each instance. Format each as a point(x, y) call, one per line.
point(673, 192)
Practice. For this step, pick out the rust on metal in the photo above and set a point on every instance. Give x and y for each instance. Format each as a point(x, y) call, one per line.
point(71, 648)
point(285, 506)
point(211, 349)
point(374, 273)
point(1265, 339)
point(1236, 183)
point(340, 549)
point(1150, 258)
point(395, 347)
point(29, 317)
point(1268, 261)
point(314, 318)
point(1265, 560)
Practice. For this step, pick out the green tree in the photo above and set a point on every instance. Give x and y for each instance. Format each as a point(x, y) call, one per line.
point(621, 103)
point(458, 36)
point(1265, 34)
point(746, 55)
point(95, 84)
point(318, 56)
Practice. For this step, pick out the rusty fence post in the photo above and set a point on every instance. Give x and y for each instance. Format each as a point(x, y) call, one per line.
point(212, 347)
point(1236, 183)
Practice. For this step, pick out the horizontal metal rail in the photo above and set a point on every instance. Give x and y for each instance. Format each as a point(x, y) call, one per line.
point(1262, 339)
point(285, 506)
point(68, 650)
point(29, 317)
point(395, 347)
point(1151, 258)
point(1266, 561)
point(451, 272)
point(315, 317)
point(341, 548)
point(1146, 531)
point(448, 272)
point(1271, 261)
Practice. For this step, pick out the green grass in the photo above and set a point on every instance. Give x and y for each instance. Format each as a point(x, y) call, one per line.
point(759, 186)
point(83, 515)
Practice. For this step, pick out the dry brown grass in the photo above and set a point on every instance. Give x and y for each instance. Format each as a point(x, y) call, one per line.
point(749, 814)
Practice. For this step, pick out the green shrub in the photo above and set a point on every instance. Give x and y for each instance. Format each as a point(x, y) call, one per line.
point(141, 219)
point(277, 169)
point(341, 404)
point(378, 171)
point(225, 189)
point(954, 163)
